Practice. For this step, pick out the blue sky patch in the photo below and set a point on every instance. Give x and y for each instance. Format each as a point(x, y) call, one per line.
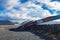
point(55, 0)
point(58, 12)
point(23, 1)
point(2, 2)
point(44, 7)
point(37, 3)
point(2, 5)
point(2, 8)
point(16, 8)
point(51, 11)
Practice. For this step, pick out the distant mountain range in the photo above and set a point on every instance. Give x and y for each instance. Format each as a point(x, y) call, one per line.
point(6, 22)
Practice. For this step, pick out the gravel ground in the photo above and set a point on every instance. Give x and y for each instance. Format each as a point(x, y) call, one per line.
point(23, 35)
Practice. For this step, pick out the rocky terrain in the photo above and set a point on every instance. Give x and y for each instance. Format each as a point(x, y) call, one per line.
point(41, 32)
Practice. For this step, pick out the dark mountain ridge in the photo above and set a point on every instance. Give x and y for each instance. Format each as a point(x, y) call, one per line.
point(6, 22)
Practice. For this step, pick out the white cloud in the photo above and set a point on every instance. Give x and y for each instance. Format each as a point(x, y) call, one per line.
point(24, 8)
point(30, 6)
point(52, 5)
point(11, 4)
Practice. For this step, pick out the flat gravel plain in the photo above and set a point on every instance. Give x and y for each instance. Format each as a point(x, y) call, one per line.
point(5, 34)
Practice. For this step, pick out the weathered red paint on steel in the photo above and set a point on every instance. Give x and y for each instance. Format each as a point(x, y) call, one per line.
point(43, 20)
point(46, 19)
point(28, 23)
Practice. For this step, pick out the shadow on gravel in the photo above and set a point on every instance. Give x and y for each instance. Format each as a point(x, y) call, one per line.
point(40, 34)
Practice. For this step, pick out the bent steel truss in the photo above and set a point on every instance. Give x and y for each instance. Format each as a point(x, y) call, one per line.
point(42, 20)
point(48, 19)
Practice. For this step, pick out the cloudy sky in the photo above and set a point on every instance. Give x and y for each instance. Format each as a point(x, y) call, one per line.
point(28, 9)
